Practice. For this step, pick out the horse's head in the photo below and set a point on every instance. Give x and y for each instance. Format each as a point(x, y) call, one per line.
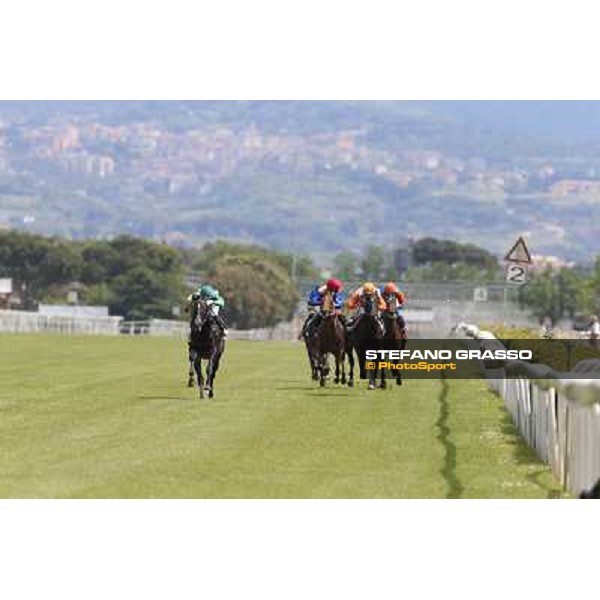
point(392, 305)
point(328, 306)
point(200, 314)
point(370, 305)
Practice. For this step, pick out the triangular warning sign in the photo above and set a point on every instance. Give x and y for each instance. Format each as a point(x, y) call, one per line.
point(519, 252)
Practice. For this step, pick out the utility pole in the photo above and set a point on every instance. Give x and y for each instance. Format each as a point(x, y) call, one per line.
point(294, 258)
point(293, 268)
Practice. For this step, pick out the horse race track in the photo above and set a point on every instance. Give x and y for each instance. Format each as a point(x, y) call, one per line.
point(111, 417)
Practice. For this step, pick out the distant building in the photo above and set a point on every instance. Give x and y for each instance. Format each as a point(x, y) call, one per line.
point(568, 187)
point(541, 263)
point(67, 139)
point(345, 142)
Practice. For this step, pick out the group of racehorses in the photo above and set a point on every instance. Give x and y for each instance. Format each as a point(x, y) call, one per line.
point(333, 337)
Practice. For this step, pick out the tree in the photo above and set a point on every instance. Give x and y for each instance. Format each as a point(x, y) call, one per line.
point(345, 265)
point(431, 250)
point(556, 294)
point(258, 291)
point(134, 252)
point(438, 271)
point(373, 262)
point(101, 261)
point(202, 260)
point(141, 293)
point(36, 263)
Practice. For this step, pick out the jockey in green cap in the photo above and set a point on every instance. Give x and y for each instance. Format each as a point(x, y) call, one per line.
point(213, 298)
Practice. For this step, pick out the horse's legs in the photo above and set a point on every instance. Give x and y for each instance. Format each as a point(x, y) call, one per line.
point(211, 372)
point(199, 377)
point(372, 376)
point(191, 368)
point(322, 368)
point(337, 368)
point(402, 346)
point(209, 376)
point(383, 380)
point(311, 359)
point(372, 379)
point(362, 368)
point(350, 355)
point(191, 375)
point(314, 363)
point(343, 359)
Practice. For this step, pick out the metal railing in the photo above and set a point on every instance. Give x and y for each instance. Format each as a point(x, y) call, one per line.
point(558, 416)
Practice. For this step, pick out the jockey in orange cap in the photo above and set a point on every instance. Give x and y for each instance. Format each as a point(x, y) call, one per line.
point(357, 300)
point(394, 300)
point(331, 289)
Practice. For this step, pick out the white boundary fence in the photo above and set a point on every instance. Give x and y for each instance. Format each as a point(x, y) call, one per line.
point(16, 321)
point(558, 416)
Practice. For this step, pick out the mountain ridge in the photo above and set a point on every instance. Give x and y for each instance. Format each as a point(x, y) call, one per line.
point(316, 177)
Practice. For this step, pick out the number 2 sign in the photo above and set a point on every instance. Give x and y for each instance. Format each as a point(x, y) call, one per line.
point(516, 274)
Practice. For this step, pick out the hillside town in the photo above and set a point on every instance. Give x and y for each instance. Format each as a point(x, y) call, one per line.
point(81, 175)
point(150, 158)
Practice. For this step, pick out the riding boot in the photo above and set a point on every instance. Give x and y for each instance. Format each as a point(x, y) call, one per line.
point(305, 327)
point(221, 323)
point(314, 324)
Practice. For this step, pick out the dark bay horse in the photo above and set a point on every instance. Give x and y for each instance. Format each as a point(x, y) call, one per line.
point(206, 342)
point(367, 334)
point(331, 339)
point(311, 342)
point(395, 338)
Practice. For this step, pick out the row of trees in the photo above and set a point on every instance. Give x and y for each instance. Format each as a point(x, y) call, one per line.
point(564, 293)
point(138, 278)
point(428, 259)
point(134, 277)
point(374, 263)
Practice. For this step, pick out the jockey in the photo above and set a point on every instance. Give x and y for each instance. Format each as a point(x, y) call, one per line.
point(357, 301)
point(214, 300)
point(393, 297)
point(315, 303)
point(394, 301)
point(314, 300)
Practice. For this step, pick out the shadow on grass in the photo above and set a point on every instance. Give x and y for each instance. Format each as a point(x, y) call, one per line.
point(329, 393)
point(525, 455)
point(448, 471)
point(287, 388)
point(182, 398)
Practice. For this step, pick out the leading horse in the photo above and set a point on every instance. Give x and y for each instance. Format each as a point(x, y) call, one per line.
point(206, 342)
point(367, 335)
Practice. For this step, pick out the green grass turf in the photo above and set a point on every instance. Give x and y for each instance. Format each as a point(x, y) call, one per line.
point(111, 417)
